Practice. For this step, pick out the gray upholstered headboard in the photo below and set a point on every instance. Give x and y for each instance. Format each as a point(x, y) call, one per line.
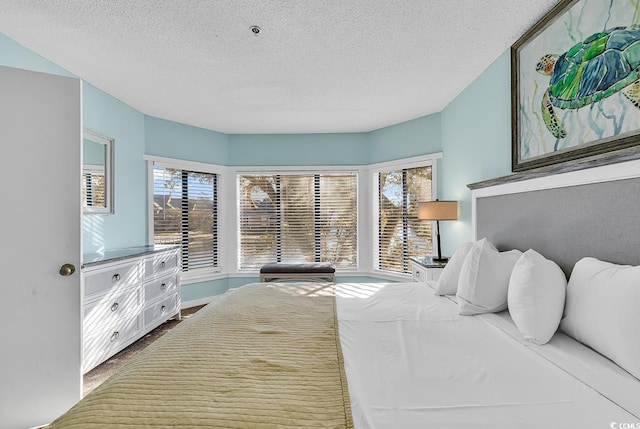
point(566, 223)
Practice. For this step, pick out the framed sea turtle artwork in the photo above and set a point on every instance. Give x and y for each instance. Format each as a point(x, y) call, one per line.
point(575, 83)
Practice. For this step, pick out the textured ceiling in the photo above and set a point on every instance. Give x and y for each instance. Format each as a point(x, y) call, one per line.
point(318, 66)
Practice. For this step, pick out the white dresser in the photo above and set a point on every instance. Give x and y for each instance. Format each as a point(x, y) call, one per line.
point(126, 294)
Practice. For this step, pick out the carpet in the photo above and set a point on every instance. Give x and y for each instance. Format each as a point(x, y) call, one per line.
point(100, 373)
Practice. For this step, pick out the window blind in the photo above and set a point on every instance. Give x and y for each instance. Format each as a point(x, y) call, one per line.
point(400, 233)
point(185, 213)
point(298, 218)
point(93, 187)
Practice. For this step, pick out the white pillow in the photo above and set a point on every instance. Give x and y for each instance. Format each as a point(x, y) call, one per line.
point(448, 281)
point(484, 279)
point(537, 289)
point(602, 310)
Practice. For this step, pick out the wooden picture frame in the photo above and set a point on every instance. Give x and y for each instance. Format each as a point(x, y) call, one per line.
point(580, 105)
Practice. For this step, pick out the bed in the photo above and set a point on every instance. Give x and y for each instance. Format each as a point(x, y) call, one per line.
point(385, 355)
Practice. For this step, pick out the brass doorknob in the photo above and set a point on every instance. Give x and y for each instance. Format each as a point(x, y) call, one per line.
point(67, 269)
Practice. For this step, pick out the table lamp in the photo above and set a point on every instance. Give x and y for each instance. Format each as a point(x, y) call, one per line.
point(438, 210)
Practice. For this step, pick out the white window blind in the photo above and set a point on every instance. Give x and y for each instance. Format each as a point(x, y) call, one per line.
point(93, 186)
point(400, 233)
point(185, 213)
point(298, 218)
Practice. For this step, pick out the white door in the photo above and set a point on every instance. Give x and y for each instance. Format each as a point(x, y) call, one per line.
point(40, 231)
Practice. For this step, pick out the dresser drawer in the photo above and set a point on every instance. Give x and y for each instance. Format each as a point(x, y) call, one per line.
point(160, 287)
point(104, 312)
point(100, 344)
point(161, 310)
point(102, 280)
point(160, 264)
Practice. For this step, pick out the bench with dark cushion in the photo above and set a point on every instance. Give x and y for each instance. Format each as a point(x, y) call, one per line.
point(302, 271)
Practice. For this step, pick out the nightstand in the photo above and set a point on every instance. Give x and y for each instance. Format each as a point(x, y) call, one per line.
point(425, 269)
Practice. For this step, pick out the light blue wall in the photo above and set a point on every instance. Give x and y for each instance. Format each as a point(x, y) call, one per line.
point(175, 140)
point(473, 132)
point(14, 55)
point(476, 143)
point(108, 116)
point(197, 291)
point(298, 149)
point(416, 137)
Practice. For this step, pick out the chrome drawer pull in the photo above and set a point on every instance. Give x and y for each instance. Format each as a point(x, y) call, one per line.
point(162, 264)
point(163, 286)
point(115, 336)
point(163, 309)
point(115, 306)
point(116, 277)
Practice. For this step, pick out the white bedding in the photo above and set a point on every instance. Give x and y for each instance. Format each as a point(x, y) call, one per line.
point(413, 362)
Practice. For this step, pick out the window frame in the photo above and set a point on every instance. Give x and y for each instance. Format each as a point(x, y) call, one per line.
point(402, 164)
point(292, 171)
point(200, 274)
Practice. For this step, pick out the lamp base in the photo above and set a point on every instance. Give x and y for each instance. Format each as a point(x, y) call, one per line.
point(440, 258)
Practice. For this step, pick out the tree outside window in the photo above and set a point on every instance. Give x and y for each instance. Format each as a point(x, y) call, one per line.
point(400, 233)
point(298, 218)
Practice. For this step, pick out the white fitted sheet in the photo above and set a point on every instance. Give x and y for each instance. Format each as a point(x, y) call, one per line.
point(413, 362)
